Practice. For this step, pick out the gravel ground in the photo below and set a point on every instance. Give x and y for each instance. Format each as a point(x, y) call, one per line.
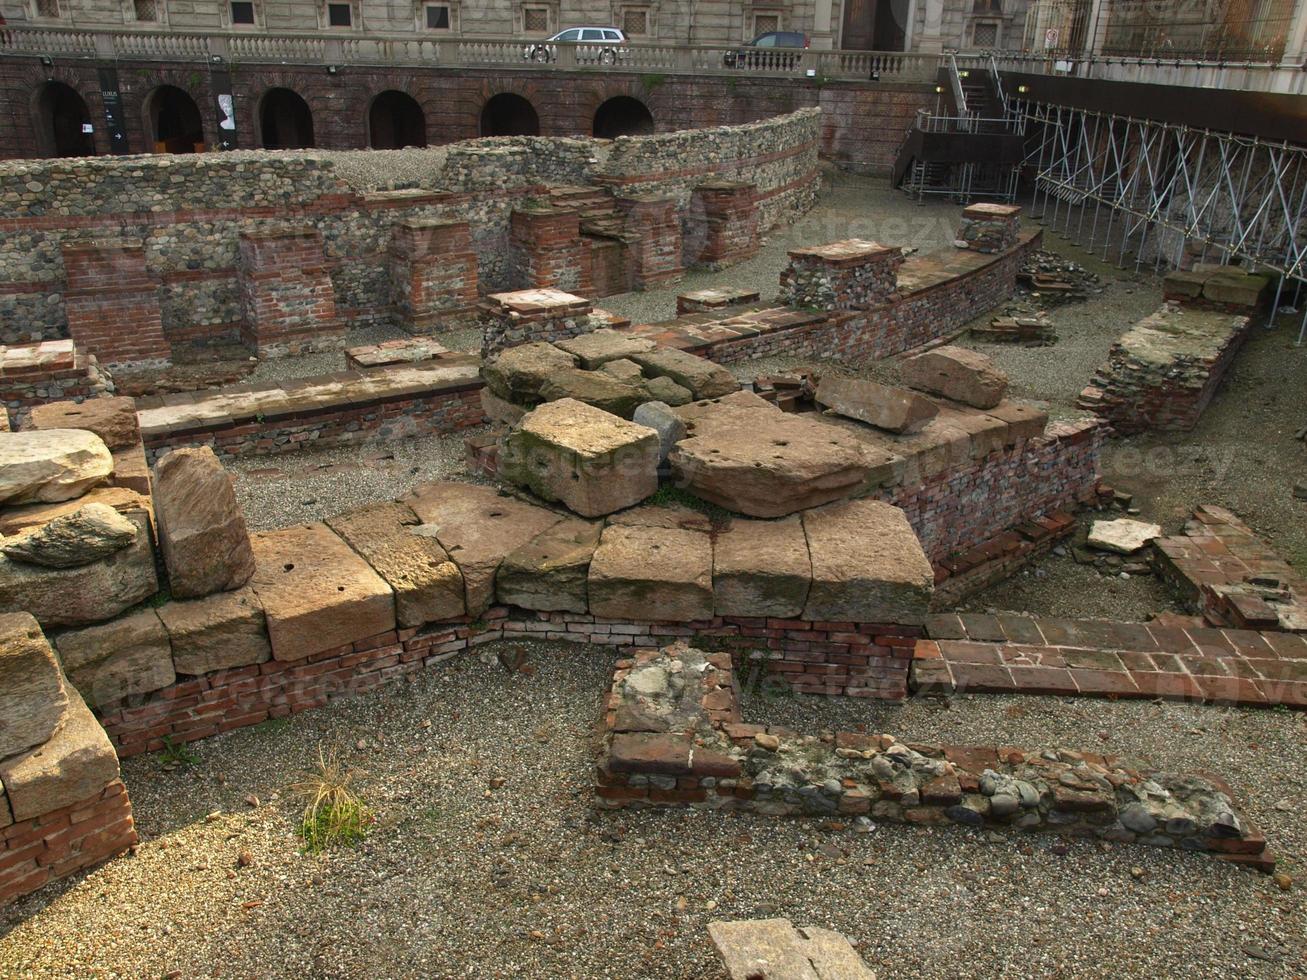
point(458, 879)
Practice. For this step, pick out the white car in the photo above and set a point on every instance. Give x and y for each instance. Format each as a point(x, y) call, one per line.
point(602, 45)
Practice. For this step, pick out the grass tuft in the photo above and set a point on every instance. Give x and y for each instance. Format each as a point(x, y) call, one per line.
point(334, 815)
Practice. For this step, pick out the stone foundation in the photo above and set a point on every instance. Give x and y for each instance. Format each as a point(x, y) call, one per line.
point(288, 304)
point(653, 227)
point(433, 273)
point(723, 225)
point(53, 370)
point(112, 301)
point(529, 315)
point(547, 252)
point(989, 228)
point(847, 275)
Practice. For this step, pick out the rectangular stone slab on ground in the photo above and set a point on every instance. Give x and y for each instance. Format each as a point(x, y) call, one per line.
point(550, 572)
point(761, 569)
point(701, 377)
point(477, 526)
point(652, 573)
point(316, 592)
point(590, 460)
point(772, 949)
point(126, 656)
point(867, 565)
point(113, 419)
point(218, 632)
point(892, 409)
point(428, 585)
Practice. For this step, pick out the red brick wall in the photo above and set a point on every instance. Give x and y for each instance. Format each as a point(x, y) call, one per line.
point(547, 250)
point(656, 252)
point(112, 301)
point(433, 271)
point(287, 300)
point(723, 224)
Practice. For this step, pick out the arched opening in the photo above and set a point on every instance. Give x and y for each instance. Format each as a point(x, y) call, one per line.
point(285, 122)
point(623, 116)
point(395, 121)
point(63, 122)
point(174, 121)
point(509, 115)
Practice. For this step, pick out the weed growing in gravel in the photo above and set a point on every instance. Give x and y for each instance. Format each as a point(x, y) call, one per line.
point(175, 755)
point(334, 815)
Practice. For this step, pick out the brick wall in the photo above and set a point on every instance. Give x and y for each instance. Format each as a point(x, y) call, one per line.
point(722, 226)
point(112, 303)
point(655, 225)
point(288, 304)
point(546, 249)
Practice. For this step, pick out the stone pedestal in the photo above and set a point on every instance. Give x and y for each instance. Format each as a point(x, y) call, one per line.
point(989, 227)
point(547, 250)
point(112, 301)
point(850, 275)
point(433, 273)
point(527, 315)
point(288, 304)
point(704, 300)
point(653, 228)
point(723, 223)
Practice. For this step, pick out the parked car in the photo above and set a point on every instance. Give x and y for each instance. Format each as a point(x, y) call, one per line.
point(762, 51)
point(602, 45)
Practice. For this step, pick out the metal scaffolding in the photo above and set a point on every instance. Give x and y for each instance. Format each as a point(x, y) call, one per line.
point(1168, 195)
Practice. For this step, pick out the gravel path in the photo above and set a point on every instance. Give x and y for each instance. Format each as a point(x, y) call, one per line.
point(458, 879)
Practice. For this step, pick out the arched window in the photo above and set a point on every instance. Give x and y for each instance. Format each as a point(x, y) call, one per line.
point(509, 115)
point(173, 121)
point(396, 120)
point(285, 122)
point(63, 123)
point(623, 116)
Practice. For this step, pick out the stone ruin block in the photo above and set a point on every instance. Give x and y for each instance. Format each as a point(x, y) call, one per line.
point(113, 419)
point(705, 300)
point(761, 569)
point(847, 275)
point(590, 460)
point(723, 223)
point(433, 273)
point(772, 949)
point(531, 315)
point(127, 656)
point(33, 698)
point(547, 252)
point(219, 632)
point(891, 409)
point(51, 465)
point(653, 227)
point(549, 573)
point(652, 574)
point(288, 302)
point(1222, 287)
point(959, 374)
point(112, 303)
point(989, 228)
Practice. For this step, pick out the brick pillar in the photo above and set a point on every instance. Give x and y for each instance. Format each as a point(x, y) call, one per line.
point(528, 315)
point(989, 227)
point(653, 226)
point(547, 250)
point(288, 304)
point(433, 273)
point(848, 275)
point(112, 301)
point(723, 223)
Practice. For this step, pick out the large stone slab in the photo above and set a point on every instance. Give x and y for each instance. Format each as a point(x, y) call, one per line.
point(113, 419)
point(73, 766)
point(590, 460)
point(29, 517)
point(202, 533)
point(519, 374)
point(1123, 536)
point(316, 592)
point(958, 373)
point(892, 409)
point(86, 594)
point(88, 534)
point(428, 585)
point(597, 388)
point(652, 573)
point(772, 949)
point(597, 348)
point(761, 568)
point(702, 377)
point(219, 632)
point(33, 700)
point(550, 572)
point(51, 464)
point(477, 526)
point(123, 657)
point(756, 460)
point(867, 565)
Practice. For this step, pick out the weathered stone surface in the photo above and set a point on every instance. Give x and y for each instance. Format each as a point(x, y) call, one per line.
point(761, 568)
point(218, 632)
point(595, 388)
point(126, 656)
point(87, 594)
point(550, 571)
point(88, 534)
point(1123, 536)
point(703, 378)
point(499, 410)
point(428, 585)
point(113, 419)
point(316, 592)
point(477, 526)
point(892, 409)
point(756, 460)
point(651, 573)
point(867, 565)
point(519, 374)
point(624, 370)
point(1024, 420)
point(50, 465)
point(70, 768)
point(202, 533)
point(669, 426)
point(590, 460)
point(668, 391)
point(958, 373)
point(33, 700)
point(772, 949)
point(664, 515)
point(599, 347)
point(29, 517)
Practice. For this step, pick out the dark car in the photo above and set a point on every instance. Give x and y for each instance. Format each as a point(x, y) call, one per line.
point(774, 49)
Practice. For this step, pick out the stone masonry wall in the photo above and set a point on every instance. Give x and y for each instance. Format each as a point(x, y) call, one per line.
point(188, 212)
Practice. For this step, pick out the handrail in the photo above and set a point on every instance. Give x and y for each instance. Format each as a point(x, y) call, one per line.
point(997, 79)
point(467, 50)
